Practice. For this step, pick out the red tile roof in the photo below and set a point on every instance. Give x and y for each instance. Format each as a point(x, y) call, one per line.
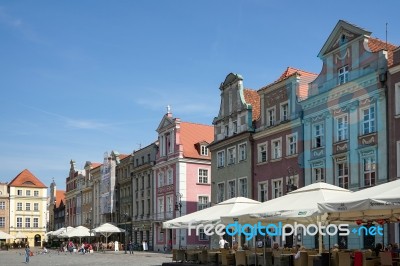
point(26, 179)
point(252, 97)
point(123, 156)
point(60, 196)
point(94, 165)
point(191, 134)
point(376, 45)
point(306, 78)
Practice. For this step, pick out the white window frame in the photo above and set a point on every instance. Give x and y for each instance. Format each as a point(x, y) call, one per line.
point(371, 122)
point(170, 178)
point(202, 178)
point(292, 144)
point(35, 222)
point(231, 192)
point(19, 222)
point(243, 187)
point(397, 98)
point(161, 210)
point(242, 151)
point(19, 206)
point(226, 130)
point(277, 189)
point(342, 178)
point(27, 206)
point(221, 159)
point(262, 191)
point(234, 127)
point(27, 222)
point(19, 192)
point(231, 155)
point(342, 127)
point(160, 179)
point(27, 192)
point(284, 114)
point(203, 150)
point(318, 135)
point(271, 116)
point(276, 150)
point(318, 174)
point(202, 202)
point(369, 170)
point(221, 193)
point(2, 222)
point(169, 204)
point(343, 74)
point(262, 148)
point(36, 193)
point(2, 205)
point(202, 235)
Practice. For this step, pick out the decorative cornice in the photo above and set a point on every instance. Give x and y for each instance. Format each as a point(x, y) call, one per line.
point(394, 70)
point(279, 128)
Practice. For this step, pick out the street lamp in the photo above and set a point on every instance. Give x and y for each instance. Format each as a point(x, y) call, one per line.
point(178, 207)
point(126, 219)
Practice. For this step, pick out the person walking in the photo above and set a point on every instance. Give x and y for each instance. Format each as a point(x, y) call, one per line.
point(27, 254)
point(130, 247)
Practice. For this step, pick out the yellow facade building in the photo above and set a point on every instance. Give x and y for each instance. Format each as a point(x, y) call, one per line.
point(28, 199)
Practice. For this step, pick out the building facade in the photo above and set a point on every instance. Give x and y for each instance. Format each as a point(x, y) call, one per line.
point(4, 208)
point(345, 126)
point(143, 194)
point(231, 150)
point(182, 178)
point(28, 208)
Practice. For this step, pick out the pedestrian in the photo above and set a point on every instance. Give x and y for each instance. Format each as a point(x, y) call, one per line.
point(27, 254)
point(130, 247)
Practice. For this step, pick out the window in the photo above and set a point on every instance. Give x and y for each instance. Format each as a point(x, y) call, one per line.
point(276, 149)
point(19, 222)
point(2, 205)
point(277, 188)
point(271, 116)
point(368, 124)
point(160, 205)
point(369, 165)
point(242, 152)
point(36, 193)
point(263, 192)
point(160, 179)
point(35, 206)
point(232, 155)
point(342, 174)
point(203, 150)
point(284, 111)
point(28, 192)
point(343, 75)
point(397, 98)
point(291, 142)
point(342, 128)
point(221, 192)
point(243, 187)
point(318, 174)
point(318, 135)
point(19, 206)
point(2, 222)
point(203, 176)
point(231, 189)
point(27, 206)
point(202, 235)
point(226, 131)
point(169, 203)
point(19, 192)
point(169, 178)
point(234, 124)
point(221, 158)
point(35, 222)
point(27, 222)
point(202, 203)
point(262, 152)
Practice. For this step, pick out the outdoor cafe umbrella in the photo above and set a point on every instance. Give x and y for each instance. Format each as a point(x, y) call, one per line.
point(61, 231)
point(4, 235)
point(211, 215)
point(20, 235)
point(108, 229)
point(380, 202)
point(79, 232)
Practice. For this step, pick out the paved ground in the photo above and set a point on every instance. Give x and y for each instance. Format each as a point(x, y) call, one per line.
point(16, 257)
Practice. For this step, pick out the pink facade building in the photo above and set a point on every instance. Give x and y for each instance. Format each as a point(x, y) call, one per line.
point(182, 176)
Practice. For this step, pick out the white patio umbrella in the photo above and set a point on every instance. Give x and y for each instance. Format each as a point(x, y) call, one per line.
point(61, 231)
point(373, 203)
point(4, 235)
point(299, 206)
point(108, 229)
point(211, 215)
point(79, 232)
point(20, 235)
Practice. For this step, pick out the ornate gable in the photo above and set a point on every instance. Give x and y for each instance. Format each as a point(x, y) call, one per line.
point(343, 33)
point(166, 122)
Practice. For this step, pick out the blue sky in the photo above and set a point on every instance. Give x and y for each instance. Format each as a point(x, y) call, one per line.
point(80, 78)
